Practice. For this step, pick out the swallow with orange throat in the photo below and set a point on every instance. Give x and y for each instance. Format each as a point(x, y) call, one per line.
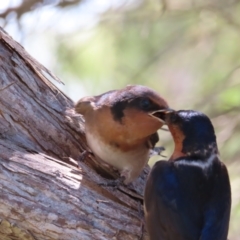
point(189, 196)
point(120, 127)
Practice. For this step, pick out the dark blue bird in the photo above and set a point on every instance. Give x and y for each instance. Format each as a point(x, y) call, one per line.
point(189, 196)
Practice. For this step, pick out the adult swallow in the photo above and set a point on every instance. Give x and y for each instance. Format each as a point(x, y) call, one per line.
point(189, 196)
point(120, 127)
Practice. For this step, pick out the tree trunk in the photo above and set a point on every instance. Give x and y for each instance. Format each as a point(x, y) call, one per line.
point(44, 194)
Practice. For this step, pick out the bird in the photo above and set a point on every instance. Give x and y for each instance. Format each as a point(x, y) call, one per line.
point(188, 197)
point(120, 127)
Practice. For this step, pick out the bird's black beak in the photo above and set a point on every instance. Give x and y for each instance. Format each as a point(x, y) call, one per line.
point(161, 115)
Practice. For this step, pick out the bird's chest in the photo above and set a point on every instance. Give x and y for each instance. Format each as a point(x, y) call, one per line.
point(113, 154)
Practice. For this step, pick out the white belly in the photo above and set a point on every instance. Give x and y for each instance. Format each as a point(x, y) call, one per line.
point(132, 161)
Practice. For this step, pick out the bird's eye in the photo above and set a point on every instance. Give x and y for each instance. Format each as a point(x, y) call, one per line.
point(145, 104)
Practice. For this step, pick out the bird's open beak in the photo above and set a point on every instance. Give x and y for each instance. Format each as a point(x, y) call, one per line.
point(160, 115)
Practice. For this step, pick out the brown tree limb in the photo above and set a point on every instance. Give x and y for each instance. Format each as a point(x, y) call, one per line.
point(28, 5)
point(44, 194)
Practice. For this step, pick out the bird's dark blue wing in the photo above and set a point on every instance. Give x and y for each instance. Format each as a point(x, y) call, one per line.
point(217, 213)
point(187, 201)
point(160, 202)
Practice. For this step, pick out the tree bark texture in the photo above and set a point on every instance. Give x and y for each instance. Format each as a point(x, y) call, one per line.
point(44, 194)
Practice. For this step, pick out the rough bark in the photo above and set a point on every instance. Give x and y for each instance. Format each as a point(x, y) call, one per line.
point(43, 193)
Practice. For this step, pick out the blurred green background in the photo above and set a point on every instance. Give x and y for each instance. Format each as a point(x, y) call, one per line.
point(187, 50)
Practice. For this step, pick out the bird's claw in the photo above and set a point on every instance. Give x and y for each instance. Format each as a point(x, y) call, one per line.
point(156, 151)
point(84, 155)
point(113, 183)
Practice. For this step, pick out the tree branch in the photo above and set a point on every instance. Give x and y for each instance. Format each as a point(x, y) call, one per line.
point(44, 195)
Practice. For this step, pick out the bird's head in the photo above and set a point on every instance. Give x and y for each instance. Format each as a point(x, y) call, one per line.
point(130, 109)
point(134, 107)
point(192, 131)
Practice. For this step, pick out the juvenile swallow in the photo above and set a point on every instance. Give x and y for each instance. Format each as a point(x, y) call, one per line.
point(120, 127)
point(189, 196)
